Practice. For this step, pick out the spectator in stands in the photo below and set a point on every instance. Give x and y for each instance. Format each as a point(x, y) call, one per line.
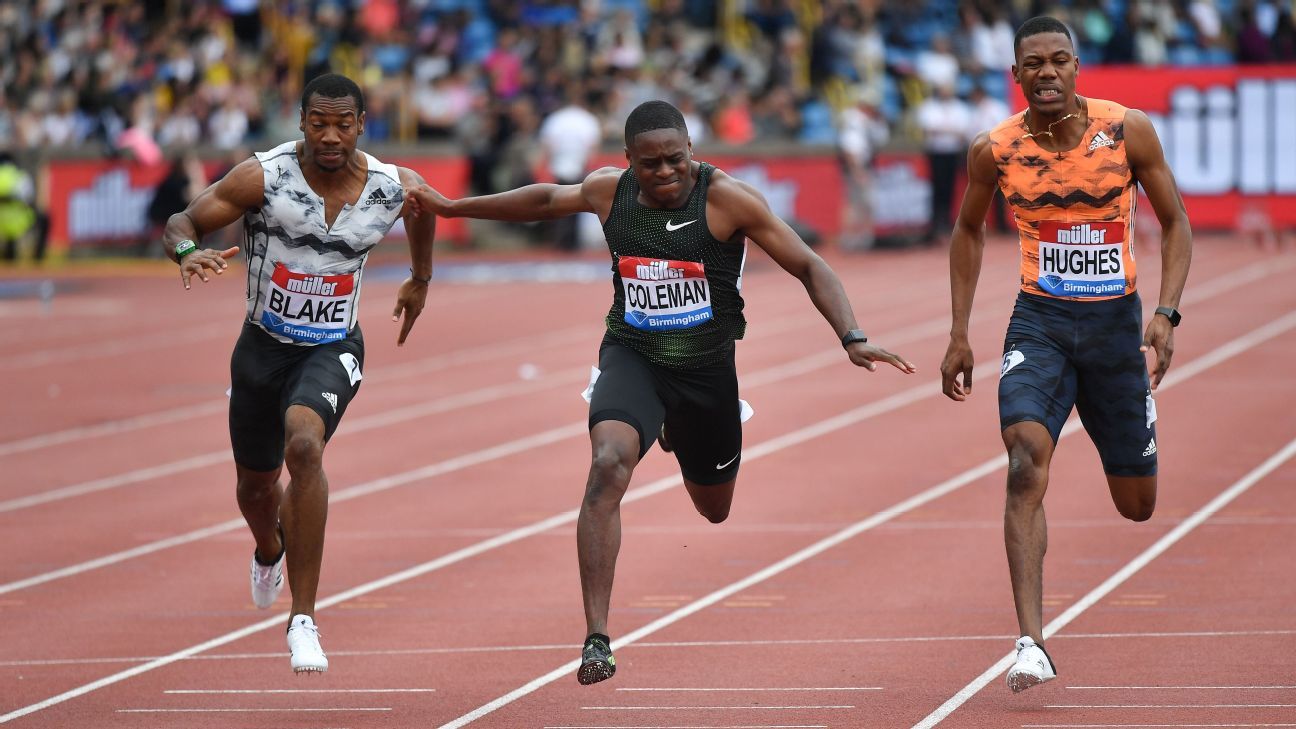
point(568, 138)
point(17, 215)
point(861, 132)
point(944, 119)
point(1253, 46)
point(1284, 39)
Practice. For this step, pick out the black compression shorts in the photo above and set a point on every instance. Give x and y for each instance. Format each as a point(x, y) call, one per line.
point(267, 376)
point(1059, 354)
point(699, 407)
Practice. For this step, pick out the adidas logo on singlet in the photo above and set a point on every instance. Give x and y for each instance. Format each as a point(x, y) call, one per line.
point(375, 198)
point(1101, 140)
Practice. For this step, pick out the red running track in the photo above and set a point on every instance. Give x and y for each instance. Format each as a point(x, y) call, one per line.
point(860, 581)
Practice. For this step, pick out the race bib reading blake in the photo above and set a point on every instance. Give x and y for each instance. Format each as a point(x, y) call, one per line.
point(308, 307)
point(662, 295)
point(1081, 259)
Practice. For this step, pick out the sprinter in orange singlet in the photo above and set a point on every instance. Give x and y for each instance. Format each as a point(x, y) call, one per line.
point(1068, 165)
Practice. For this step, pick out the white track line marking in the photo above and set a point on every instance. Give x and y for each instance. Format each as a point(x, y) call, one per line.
point(1182, 688)
point(770, 446)
point(1116, 580)
point(379, 420)
point(758, 688)
point(696, 726)
point(708, 707)
point(302, 691)
point(1221, 354)
point(1138, 725)
point(1169, 706)
point(378, 375)
point(248, 711)
point(647, 644)
point(380, 484)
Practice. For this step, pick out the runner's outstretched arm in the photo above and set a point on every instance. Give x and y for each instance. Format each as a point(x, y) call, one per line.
point(220, 204)
point(967, 245)
point(1148, 163)
point(541, 201)
point(420, 229)
point(741, 207)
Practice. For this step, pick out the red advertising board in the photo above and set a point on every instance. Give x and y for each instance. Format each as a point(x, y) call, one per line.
point(105, 201)
point(1229, 134)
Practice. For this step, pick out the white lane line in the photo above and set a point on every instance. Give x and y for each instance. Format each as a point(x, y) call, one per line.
point(385, 483)
point(693, 726)
point(171, 338)
point(302, 691)
point(1169, 706)
point(1193, 368)
point(760, 450)
point(708, 707)
point(770, 446)
point(250, 711)
point(1231, 724)
point(1116, 580)
point(359, 425)
point(1182, 688)
point(379, 375)
point(538, 440)
point(759, 688)
point(648, 644)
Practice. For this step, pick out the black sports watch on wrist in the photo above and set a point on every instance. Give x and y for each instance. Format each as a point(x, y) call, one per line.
point(853, 336)
point(1170, 313)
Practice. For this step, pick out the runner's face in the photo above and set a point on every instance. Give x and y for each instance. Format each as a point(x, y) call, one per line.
point(1046, 70)
point(662, 162)
point(331, 127)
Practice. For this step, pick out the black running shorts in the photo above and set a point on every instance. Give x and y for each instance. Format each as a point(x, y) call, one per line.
point(1059, 354)
point(267, 376)
point(699, 407)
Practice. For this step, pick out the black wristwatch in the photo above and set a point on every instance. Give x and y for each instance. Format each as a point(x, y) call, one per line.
point(853, 336)
point(1169, 313)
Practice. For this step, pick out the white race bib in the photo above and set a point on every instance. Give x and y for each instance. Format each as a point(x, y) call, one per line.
point(1082, 259)
point(307, 307)
point(661, 295)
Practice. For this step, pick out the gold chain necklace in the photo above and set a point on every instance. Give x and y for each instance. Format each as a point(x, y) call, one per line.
point(1049, 131)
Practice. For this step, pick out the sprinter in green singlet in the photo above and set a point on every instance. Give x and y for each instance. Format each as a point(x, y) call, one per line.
point(677, 230)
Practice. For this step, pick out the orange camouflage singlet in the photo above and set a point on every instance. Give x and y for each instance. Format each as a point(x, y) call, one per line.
point(1074, 209)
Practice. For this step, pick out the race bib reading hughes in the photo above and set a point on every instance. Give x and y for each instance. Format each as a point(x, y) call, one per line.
point(662, 295)
point(308, 307)
point(1081, 259)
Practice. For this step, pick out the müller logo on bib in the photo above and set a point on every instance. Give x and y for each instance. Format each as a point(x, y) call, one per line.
point(661, 295)
point(1082, 258)
point(308, 307)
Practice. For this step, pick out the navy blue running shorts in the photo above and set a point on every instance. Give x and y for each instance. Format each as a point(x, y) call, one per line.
point(267, 376)
point(1084, 353)
point(698, 405)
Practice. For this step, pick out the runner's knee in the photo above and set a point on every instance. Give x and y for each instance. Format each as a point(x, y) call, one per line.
point(1027, 469)
point(303, 451)
point(610, 469)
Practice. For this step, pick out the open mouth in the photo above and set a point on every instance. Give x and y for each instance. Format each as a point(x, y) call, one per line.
point(1048, 93)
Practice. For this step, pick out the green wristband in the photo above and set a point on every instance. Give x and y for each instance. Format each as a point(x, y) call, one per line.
point(184, 248)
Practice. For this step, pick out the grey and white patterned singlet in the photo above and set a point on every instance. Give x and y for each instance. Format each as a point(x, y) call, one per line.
point(303, 276)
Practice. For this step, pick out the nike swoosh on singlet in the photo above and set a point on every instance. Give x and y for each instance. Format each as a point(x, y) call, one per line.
point(670, 227)
point(723, 466)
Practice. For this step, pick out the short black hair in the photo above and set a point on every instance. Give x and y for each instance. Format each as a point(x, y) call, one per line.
point(333, 86)
point(650, 116)
point(1037, 25)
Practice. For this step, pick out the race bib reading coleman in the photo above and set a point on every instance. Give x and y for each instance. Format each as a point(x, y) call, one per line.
point(662, 295)
point(1081, 259)
point(310, 308)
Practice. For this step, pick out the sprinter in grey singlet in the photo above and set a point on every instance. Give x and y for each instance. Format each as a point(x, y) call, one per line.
point(312, 210)
point(677, 231)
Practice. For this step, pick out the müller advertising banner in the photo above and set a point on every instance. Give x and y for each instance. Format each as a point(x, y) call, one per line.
point(1229, 134)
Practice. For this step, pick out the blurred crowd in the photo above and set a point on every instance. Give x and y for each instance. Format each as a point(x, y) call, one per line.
point(526, 85)
point(228, 73)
